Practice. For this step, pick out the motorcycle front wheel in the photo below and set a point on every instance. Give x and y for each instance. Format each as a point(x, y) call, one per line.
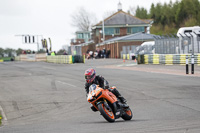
point(127, 114)
point(107, 113)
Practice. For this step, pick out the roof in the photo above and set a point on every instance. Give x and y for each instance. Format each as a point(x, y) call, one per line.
point(123, 18)
point(82, 31)
point(148, 20)
point(86, 43)
point(132, 37)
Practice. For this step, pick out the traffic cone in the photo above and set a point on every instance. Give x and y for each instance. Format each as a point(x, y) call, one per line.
point(123, 60)
point(135, 60)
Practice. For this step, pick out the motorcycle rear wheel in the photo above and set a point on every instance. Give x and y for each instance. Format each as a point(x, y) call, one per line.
point(106, 113)
point(128, 114)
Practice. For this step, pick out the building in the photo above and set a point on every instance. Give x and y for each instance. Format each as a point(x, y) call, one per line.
point(119, 24)
point(116, 33)
point(81, 37)
point(125, 44)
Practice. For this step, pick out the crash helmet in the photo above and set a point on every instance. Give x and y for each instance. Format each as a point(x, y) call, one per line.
point(90, 75)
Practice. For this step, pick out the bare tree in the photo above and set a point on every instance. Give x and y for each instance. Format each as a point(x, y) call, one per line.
point(132, 10)
point(83, 19)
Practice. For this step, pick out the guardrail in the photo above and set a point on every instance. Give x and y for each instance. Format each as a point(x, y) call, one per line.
point(63, 59)
point(167, 59)
point(66, 59)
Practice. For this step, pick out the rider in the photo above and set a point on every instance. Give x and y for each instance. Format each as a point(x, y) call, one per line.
point(92, 78)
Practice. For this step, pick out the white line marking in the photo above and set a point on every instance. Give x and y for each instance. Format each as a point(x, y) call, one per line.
point(66, 83)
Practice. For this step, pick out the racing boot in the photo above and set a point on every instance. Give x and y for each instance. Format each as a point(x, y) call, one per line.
point(123, 100)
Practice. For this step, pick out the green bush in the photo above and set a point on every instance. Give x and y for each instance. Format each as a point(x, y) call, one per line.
point(0, 119)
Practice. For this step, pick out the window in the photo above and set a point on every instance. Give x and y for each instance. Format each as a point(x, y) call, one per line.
point(132, 30)
point(129, 30)
point(137, 29)
point(97, 32)
point(117, 31)
point(111, 31)
point(79, 36)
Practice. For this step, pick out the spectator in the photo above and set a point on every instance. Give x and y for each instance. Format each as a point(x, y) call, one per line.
point(108, 53)
point(99, 53)
point(91, 54)
point(95, 55)
point(104, 53)
point(47, 51)
point(52, 54)
point(65, 53)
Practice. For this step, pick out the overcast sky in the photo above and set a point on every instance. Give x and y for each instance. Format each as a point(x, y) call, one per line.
point(51, 18)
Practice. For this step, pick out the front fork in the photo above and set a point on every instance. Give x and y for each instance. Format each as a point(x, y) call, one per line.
point(117, 111)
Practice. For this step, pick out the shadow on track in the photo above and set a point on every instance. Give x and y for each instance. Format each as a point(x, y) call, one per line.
point(117, 121)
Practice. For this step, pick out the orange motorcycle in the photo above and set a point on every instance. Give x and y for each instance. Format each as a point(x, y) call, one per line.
point(107, 104)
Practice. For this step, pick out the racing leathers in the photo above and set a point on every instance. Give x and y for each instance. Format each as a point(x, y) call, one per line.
point(99, 80)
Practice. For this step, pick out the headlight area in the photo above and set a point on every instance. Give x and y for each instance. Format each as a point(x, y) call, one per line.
point(95, 97)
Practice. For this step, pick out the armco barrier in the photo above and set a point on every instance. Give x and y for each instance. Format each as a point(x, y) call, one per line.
point(168, 59)
point(146, 59)
point(32, 57)
point(17, 58)
point(41, 57)
point(66, 59)
point(198, 59)
point(156, 59)
point(63, 59)
point(78, 59)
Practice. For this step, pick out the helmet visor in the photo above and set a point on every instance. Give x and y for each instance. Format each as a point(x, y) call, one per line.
point(87, 77)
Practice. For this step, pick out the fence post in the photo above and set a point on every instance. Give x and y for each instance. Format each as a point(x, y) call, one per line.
point(187, 72)
point(192, 63)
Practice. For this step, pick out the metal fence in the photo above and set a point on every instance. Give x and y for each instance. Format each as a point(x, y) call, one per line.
point(130, 50)
point(167, 44)
point(171, 44)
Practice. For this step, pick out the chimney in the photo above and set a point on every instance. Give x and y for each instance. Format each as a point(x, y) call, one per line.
point(119, 6)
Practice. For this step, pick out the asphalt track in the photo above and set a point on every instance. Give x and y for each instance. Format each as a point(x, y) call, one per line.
point(39, 97)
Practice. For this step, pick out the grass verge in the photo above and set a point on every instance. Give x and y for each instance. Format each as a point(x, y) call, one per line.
point(0, 119)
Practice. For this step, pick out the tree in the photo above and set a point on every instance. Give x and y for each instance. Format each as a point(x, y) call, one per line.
point(19, 51)
point(61, 52)
point(83, 19)
point(10, 52)
point(1, 52)
point(152, 11)
point(41, 51)
point(141, 13)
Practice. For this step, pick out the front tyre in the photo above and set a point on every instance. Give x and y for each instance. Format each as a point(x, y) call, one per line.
point(127, 114)
point(107, 113)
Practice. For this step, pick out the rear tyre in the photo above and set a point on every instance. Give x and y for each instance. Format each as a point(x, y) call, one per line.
point(128, 114)
point(106, 113)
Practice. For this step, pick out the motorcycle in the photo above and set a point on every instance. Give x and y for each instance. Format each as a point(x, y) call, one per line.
point(107, 104)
